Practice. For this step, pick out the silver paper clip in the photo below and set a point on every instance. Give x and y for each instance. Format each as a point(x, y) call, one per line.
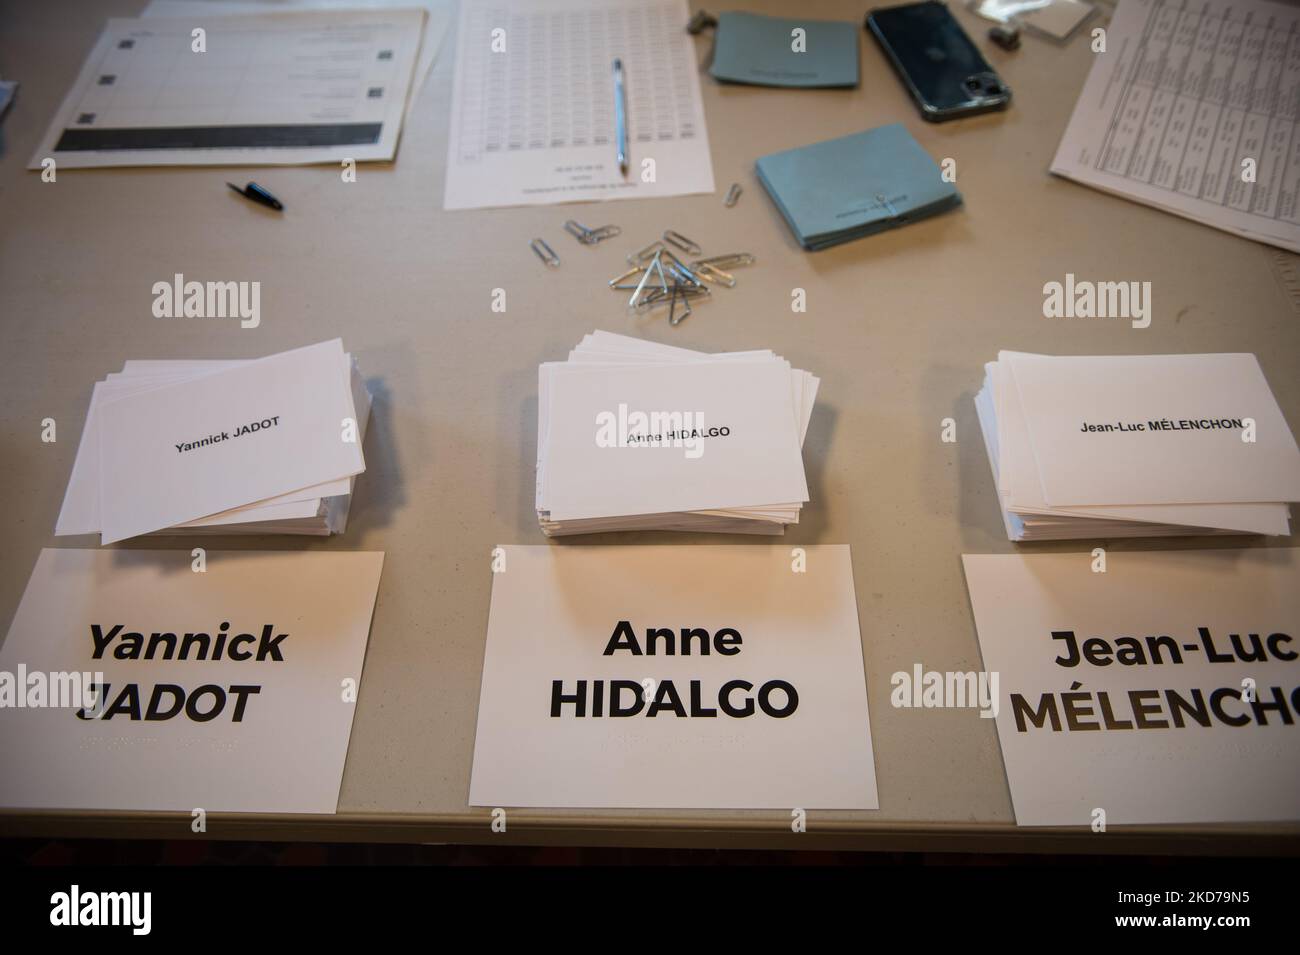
point(728, 261)
point(732, 195)
point(686, 245)
point(590, 236)
point(637, 258)
point(544, 252)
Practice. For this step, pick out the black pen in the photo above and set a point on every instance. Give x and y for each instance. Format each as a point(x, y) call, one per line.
point(258, 194)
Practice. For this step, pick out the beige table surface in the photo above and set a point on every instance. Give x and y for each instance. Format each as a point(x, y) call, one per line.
point(897, 326)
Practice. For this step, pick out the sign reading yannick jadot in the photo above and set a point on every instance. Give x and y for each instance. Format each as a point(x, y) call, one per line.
point(165, 701)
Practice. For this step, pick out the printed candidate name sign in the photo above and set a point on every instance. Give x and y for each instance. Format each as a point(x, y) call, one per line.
point(673, 677)
point(227, 686)
point(1162, 688)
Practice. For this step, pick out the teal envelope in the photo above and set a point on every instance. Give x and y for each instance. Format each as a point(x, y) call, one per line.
point(749, 48)
point(842, 189)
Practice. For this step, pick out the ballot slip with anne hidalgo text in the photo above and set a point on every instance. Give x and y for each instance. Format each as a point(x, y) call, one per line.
point(633, 435)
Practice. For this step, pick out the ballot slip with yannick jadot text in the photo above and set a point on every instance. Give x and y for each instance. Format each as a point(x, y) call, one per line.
point(1136, 446)
point(633, 435)
point(267, 446)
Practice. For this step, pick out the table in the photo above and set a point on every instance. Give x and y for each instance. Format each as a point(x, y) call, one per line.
point(897, 326)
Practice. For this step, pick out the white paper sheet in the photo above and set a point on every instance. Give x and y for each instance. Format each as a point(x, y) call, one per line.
point(156, 472)
point(533, 123)
point(287, 751)
point(1181, 97)
point(1112, 754)
point(279, 88)
point(554, 610)
point(438, 17)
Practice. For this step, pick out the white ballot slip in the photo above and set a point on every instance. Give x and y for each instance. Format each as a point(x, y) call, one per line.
point(533, 113)
point(1156, 429)
point(219, 690)
point(1165, 689)
point(673, 678)
point(1136, 445)
point(319, 510)
point(632, 435)
point(219, 441)
point(275, 88)
point(1192, 110)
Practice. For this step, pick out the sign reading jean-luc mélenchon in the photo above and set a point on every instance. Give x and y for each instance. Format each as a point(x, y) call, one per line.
point(673, 677)
point(1145, 687)
point(154, 680)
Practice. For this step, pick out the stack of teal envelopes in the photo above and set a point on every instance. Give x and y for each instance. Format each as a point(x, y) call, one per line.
point(846, 188)
point(773, 51)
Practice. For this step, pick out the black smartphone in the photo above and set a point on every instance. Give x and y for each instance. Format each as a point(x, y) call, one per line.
point(937, 62)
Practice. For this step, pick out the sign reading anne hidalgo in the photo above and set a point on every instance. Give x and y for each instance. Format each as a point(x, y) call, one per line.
point(721, 677)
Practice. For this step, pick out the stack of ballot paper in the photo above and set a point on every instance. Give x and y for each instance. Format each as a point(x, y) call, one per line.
point(268, 446)
point(1136, 446)
point(633, 435)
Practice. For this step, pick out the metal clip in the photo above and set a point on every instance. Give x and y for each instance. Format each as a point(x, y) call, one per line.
point(683, 243)
point(590, 236)
point(673, 318)
point(616, 280)
point(637, 258)
point(544, 252)
point(712, 273)
point(654, 266)
point(732, 195)
point(728, 261)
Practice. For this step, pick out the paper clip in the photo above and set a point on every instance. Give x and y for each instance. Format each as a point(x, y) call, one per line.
point(727, 261)
point(732, 195)
point(544, 252)
point(590, 236)
point(614, 282)
point(636, 258)
point(712, 273)
point(683, 243)
point(679, 268)
point(673, 318)
point(654, 266)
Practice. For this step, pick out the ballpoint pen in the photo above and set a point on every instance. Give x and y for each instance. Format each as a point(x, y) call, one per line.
point(620, 115)
point(258, 194)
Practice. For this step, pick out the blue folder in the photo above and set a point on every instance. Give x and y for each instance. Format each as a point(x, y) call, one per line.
point(842, 189)
point(750, 48)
